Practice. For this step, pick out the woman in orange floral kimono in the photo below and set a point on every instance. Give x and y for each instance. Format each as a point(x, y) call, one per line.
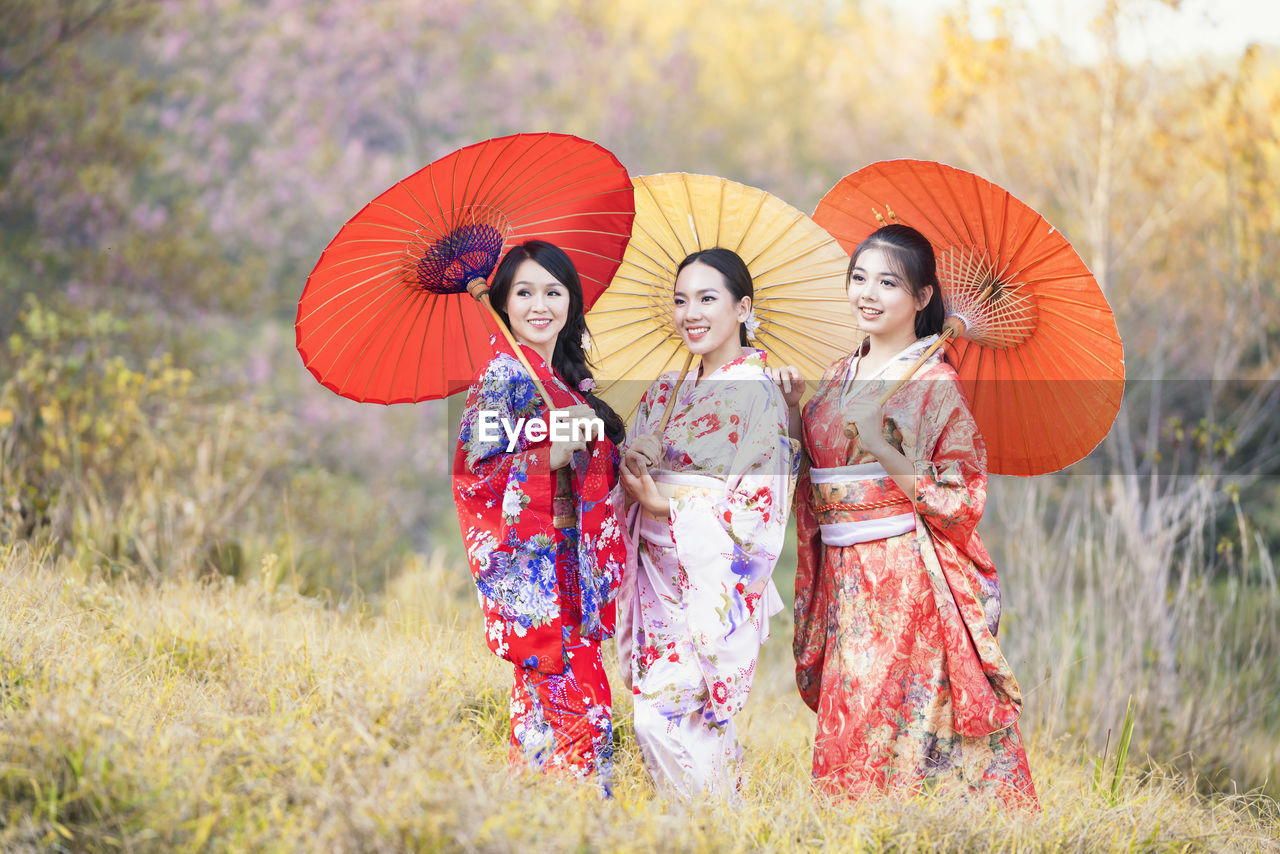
point(897, 603)
point(540, 522)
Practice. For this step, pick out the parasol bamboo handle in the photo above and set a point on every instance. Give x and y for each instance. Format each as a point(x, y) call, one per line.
point(479, 289)
point(954, 327)
point(671, 401)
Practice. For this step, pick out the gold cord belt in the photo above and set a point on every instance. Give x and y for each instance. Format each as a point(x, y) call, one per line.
point(857, 508)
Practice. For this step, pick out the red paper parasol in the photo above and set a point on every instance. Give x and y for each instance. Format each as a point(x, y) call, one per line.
point(1033, 338)
point(386, 316)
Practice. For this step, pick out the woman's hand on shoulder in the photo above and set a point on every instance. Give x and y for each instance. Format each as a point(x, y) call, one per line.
point(789, 381)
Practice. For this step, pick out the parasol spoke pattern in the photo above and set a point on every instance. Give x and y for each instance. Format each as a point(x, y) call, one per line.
point(797, 268)
point(385, 316)
point(997, 313)
point(1040, 359)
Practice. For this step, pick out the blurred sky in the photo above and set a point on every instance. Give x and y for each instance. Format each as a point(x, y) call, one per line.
point(1156, 32)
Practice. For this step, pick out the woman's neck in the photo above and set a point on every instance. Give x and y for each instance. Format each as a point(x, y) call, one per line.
point(882, 348)
point(545, 351)
point(718, 358)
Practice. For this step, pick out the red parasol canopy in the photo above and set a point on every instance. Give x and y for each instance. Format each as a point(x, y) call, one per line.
point(386, 316)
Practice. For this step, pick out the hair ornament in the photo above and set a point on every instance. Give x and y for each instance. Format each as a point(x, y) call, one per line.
point(752, 323)
point(888, 211)
point(587, 385)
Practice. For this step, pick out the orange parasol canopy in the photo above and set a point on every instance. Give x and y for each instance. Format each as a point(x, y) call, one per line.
point(1033, 338)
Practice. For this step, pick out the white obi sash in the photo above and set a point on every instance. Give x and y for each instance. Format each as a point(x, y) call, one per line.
point(859, 504)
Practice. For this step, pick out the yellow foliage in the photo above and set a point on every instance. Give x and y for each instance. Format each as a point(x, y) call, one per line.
point(101, 457)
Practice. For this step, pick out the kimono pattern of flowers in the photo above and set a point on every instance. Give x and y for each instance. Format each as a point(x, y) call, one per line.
point(895, 642)
point(694, 614)
point(547, 594)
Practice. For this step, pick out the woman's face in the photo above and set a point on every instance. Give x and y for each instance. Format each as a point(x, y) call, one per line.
point(880, 298)
point(706, 314)
point(537, 306)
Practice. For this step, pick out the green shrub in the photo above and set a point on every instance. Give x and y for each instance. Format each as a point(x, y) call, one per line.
point(136, 466)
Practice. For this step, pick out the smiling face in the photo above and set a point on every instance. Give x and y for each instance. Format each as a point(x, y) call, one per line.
point(707, 316)
point(537, 306)
point(881, 299)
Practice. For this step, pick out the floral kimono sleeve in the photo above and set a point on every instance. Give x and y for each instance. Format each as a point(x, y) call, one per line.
point(651, 406)
point(812, 608)
point(809, 646)
point(729, 545)
point(628, 605)
point(951, 466)
point(602, 552)
point(951, 491)
point(504, 502)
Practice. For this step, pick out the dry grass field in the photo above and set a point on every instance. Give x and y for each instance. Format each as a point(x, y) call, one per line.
point(223, 715)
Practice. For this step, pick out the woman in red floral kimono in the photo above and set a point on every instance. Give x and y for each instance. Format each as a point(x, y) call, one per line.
point(897, 603)
point(539, 521)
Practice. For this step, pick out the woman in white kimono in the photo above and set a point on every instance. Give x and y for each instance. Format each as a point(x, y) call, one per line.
point(712, 495)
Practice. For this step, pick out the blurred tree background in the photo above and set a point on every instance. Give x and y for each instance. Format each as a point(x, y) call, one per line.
point(170, 170)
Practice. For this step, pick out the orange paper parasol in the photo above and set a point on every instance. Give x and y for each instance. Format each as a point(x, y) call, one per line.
point(388, 314)
point(1031, 335)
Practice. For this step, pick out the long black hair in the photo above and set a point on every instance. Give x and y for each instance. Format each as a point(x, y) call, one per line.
point(737, 278)
point(911, 255)
point(569, 359)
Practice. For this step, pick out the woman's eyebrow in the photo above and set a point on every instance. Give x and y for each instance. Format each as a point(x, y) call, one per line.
point(882, 274)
